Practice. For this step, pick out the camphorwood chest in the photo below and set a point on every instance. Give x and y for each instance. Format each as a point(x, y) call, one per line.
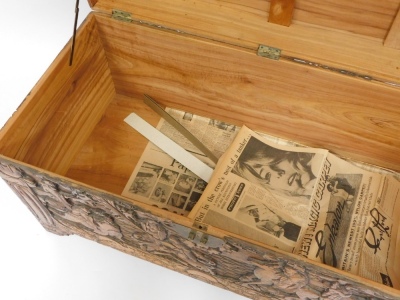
point(322, 73)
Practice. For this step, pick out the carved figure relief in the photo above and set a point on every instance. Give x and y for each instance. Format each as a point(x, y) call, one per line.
point(65, 208)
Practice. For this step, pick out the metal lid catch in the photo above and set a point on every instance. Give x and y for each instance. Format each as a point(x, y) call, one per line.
point(71, 57)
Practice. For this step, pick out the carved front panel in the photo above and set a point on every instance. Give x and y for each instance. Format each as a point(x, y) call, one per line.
point(66, 208)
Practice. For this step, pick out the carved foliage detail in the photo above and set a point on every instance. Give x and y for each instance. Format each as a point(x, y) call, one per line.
point(65, 208)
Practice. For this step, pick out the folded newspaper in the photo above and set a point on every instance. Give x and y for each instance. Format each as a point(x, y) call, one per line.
point(302, 200)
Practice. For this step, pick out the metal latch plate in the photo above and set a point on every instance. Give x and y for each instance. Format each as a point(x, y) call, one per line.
point(269, 52)
point(121, 15)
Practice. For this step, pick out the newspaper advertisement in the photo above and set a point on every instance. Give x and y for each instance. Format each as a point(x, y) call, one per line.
point(339, 214)
point(379, 259)
point(306, 201)
point(161, 181)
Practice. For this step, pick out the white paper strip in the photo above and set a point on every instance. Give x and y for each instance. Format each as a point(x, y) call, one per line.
point(170, 147)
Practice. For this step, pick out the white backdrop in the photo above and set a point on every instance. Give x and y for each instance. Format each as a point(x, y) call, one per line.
point(35, 264)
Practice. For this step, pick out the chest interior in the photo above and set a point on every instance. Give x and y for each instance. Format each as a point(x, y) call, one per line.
point(334, 85)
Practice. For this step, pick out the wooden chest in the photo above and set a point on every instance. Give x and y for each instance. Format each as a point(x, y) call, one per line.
point(325, 74)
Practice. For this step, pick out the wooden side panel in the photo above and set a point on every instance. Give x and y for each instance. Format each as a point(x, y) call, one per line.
point(349, 34)
point(350, 117)
point(109, 156)
point(62, 110)
point(249, 270)
point(364, 17)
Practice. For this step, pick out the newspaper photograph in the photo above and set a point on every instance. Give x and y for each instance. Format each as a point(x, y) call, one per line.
point(161, 181)
point(262, 190)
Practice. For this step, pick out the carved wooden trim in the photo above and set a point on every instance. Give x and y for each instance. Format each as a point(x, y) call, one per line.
point(28, 189)
point(65, 208)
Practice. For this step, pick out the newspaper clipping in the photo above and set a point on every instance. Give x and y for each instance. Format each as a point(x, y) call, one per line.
point(162, 181)
point(306, 201)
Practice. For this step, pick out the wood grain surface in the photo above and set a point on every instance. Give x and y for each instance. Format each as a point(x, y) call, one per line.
point(62, 109)
point(364, 17)
point(311, 106)
point(346, 33)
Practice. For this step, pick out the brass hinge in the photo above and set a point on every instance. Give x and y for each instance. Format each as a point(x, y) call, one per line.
point(269, 52)
point(276, 54)
point(121, 15)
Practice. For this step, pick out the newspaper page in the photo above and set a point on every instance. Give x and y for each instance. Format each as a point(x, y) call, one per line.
point(306, 201)
point(339, 214)
point(262, 190)
point(160, 180)
point(352, 225)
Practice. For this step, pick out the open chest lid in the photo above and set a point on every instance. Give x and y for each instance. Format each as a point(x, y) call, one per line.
point(355, 38)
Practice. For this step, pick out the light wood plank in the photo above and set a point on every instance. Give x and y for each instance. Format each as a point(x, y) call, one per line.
point(346, 33)
point(58, 115)
point(281, 12)
point(109, 156)
point(363, 17)
point(194, 75)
